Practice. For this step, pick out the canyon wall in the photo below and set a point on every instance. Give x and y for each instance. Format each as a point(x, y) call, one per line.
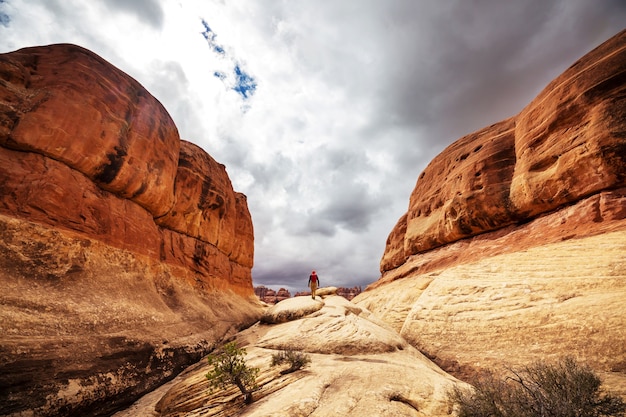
point(513, 248)
point(125, 254)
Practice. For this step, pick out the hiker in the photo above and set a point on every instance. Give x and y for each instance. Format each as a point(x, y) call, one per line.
point(314, 281)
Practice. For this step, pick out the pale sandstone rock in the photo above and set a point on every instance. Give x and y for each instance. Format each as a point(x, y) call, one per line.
point(394, 381)
point(542, 303)
point(510, 304)
point(338, 327)
point(291, 309)
point(325, 291)
point(288, 308)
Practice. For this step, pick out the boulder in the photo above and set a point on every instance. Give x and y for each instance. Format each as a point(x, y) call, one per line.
point(291, 309)
point(325, 291)
point(125, 254)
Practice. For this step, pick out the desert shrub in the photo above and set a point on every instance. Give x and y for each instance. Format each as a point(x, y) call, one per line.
point(296, 360)
point(229, 367)
point(563, 389)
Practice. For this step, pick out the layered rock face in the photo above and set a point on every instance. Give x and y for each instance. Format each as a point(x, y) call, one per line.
point(125, 252)
point(514, 242)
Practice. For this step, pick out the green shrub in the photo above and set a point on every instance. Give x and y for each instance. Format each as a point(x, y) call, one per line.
point(564, 389)
point(296, 360)
point(229, 367)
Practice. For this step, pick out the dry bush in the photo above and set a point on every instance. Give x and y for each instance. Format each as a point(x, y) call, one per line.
point(563, 389)
point(296, 360)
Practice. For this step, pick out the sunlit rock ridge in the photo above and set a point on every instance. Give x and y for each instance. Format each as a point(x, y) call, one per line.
point(513, 247)
point(125, 254)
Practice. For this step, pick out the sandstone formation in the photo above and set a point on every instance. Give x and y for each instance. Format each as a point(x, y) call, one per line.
point(566, 145)
point(359, 367)
point(513, 246)
point(347, 293)
point(125, 254)
point(269, 296)
point(291, 309)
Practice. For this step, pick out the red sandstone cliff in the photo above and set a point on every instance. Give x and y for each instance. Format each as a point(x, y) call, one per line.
point(565, 146)
point(124, 251)
point(513, 246)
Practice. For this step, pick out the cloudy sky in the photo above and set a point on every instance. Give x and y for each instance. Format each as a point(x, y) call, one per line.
point(325, 111)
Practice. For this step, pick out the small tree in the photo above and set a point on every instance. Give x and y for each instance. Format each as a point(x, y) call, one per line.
point(296, 360)
point(564, 389)
point(229, 367)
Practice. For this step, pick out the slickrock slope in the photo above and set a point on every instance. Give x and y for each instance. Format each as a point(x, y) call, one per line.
point(359, 367)
point(125, 254)
point(513, 247)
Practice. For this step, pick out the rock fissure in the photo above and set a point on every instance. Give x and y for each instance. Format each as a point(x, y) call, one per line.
point(401, 399)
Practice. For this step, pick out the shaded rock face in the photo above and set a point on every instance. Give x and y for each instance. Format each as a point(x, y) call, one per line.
point(457, 280)
point(125, 252)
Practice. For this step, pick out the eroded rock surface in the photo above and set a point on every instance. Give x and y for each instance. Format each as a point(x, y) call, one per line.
point(338, 327)
point(512, 249)
point(359, 367)
point(125, 254)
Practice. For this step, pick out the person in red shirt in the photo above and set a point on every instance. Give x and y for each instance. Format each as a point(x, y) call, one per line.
point(314, 282)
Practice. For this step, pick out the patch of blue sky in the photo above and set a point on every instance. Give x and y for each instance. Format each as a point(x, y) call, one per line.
point(235, 77)
point(210, 36)
point(245, 84)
